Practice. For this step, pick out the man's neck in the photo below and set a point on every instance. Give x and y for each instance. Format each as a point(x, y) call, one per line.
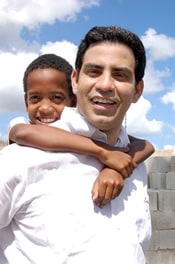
point(112, 136)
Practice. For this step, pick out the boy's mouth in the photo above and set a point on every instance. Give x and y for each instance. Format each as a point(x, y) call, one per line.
point(47, 120)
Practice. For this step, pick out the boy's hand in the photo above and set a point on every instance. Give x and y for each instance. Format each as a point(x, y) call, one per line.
point(107, 187)
point(119, 161)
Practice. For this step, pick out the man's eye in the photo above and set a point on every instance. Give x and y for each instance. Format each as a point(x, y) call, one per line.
point(120, 76)
point(93, 72)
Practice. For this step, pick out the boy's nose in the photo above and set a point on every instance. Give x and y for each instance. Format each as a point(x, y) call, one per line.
point(45, 106)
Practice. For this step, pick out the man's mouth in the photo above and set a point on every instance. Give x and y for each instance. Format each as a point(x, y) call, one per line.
point(104, 101)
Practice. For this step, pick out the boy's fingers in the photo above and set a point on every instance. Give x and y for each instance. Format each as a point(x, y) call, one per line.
point(110, 194)
point(126, 172)
point(97, 196)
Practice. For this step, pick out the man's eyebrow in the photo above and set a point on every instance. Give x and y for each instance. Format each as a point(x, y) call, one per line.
point(90, 65)
point(125, 69)
point(122, 69)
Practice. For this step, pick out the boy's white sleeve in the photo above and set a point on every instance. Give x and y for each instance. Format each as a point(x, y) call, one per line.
point(9, 186)
point(15, 121)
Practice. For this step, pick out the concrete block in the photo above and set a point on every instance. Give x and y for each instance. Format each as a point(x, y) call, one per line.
point(170, 180)
point(161, 190)
point(160, 257)
point(153, 199)
point(163, 239)
point(158, 164)
point(155, 240)
point(172, 163)
point(163, 220)
point(167, 239)
point(157, 180)
point(166, 200)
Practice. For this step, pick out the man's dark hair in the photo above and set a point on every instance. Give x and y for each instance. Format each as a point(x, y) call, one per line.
point(114, 34)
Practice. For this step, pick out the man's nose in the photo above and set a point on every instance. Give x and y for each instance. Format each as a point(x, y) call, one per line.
point(105, 82)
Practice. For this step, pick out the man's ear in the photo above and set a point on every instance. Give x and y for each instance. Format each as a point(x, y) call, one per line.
point(138, 91)
point(74, 80)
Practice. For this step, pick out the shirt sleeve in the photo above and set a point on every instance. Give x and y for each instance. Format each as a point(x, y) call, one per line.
point(15, 121)
point(10, 186)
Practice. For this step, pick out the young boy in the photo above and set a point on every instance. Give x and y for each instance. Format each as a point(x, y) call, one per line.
point(47, 89)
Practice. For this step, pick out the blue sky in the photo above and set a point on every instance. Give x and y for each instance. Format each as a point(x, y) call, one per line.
point(31, 28)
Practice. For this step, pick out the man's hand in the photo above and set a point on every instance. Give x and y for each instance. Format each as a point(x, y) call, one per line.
point(107, 187)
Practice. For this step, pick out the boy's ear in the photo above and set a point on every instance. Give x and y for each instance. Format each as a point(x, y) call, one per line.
point(25, 100)
point(138, 91)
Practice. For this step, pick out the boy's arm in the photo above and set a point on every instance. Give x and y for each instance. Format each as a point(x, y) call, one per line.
point(109, 183)
point(54, 139)
point(107, 186)
point(140, 149)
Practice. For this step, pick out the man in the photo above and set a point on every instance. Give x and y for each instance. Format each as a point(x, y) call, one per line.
point(39, 223)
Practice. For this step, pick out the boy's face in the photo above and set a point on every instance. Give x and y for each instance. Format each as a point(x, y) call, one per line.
point(106, 87)
point(47, 94)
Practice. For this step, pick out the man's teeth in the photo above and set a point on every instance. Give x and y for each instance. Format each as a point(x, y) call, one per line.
point(102, 101)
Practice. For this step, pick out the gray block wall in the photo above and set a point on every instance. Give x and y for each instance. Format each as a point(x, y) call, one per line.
point(161, 189)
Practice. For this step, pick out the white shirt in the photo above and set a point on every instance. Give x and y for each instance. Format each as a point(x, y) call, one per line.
point(47, 213)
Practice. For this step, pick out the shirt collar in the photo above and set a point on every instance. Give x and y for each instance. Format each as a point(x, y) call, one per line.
point(78, 124)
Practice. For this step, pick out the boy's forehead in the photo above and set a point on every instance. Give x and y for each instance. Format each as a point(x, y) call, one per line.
point(47, 79)
point(46, 73)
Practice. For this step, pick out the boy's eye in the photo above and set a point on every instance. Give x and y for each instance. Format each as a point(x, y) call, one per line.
point(58, 98)
point(34, 99)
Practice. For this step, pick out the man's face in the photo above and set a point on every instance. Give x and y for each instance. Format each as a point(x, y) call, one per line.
point(106, 87)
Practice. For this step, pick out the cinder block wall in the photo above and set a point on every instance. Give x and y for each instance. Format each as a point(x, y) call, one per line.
point(161, 188)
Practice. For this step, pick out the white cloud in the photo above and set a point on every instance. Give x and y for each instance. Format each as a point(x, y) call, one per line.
point(12, 67)
point(161, 47)
point(169, 97)
point(64, 48)
point(137, 122)
point(154, 78)
point(32, 13)
point(17, 14)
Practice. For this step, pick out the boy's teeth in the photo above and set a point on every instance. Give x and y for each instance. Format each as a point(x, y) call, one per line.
point(48, 120)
